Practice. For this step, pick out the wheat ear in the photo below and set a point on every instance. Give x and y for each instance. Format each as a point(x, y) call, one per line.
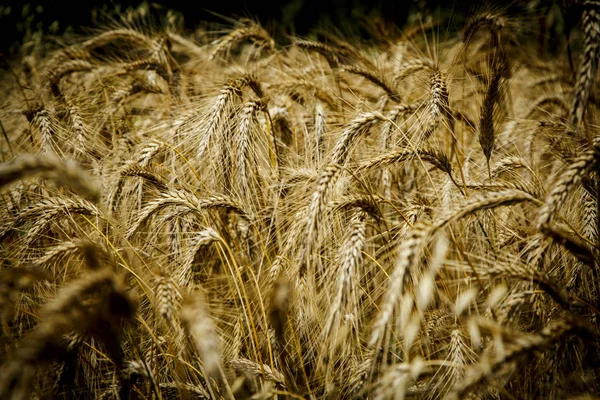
point(586, 75)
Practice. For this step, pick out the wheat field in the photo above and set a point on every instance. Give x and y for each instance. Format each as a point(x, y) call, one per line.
point(215, 214)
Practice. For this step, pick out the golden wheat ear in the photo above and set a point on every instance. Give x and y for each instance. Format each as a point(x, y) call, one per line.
point(586, 74)
point(252, 32)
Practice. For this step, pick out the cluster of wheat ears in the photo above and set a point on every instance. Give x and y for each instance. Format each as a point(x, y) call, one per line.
point(223, 216)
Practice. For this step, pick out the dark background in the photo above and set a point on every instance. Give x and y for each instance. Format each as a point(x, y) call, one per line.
point(22, 20)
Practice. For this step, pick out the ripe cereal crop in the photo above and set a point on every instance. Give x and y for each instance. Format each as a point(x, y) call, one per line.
point(408, 214)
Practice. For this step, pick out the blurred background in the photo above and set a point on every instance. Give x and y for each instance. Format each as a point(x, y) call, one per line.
point(23, 21)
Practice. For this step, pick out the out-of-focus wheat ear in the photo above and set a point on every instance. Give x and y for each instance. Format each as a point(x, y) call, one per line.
point(71, 300)
point(253, 32)
point(588, 65)
point(279, 305)
point(18, 372)
point(493, 21)
point(395, 381)
point(487, 132)
point(65, 69)
point(166, 300)
point(571, 177)
point(529, 273)
point(489, 366)
point(92, 254)
point(408, 256)
point(175, 389)
point(96, 303)
point(344, 301)
point(70, 53)
point(124, 34)
point(545, 100)
point(280, 298)
point(413, 66)
point(374, 78)
point(460, 356)
point(320, 128)
point(328, 52)
point(160, 54)
point(49, 166)
point(12, 282)
point(198, 323)
point(185, 45)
